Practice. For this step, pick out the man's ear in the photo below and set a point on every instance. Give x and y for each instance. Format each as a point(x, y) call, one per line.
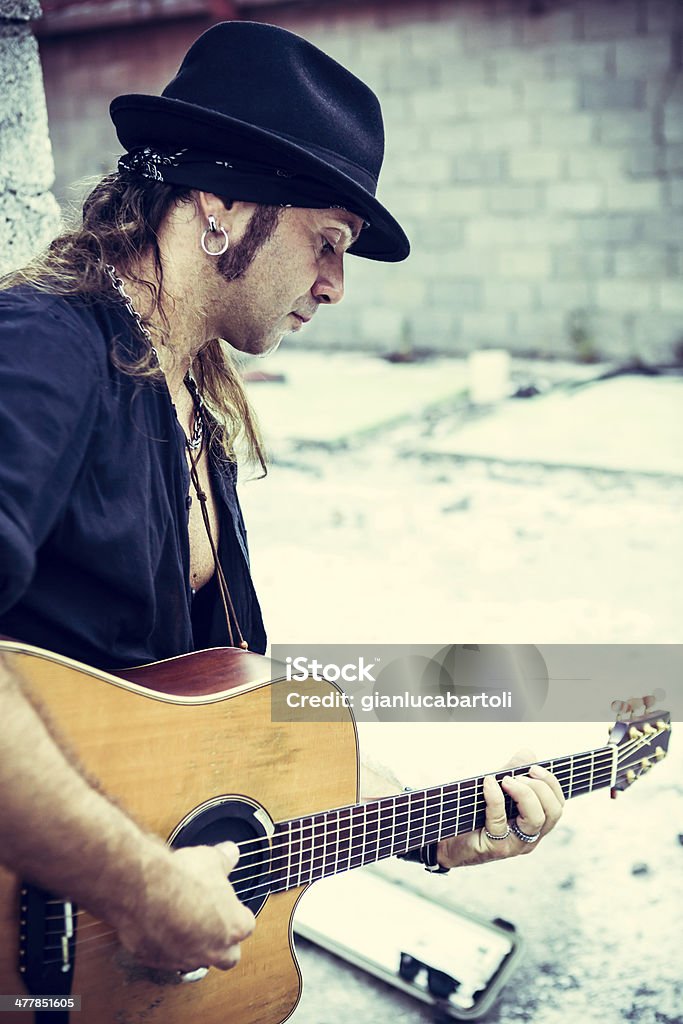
point(209, 204)
point(232, 214)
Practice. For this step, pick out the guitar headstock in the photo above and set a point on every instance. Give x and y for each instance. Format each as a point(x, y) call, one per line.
point(640, 742)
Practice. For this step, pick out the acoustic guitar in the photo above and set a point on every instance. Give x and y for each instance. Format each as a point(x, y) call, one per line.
point(189, 747)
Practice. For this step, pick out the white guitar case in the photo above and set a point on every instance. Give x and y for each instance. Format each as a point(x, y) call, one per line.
point(448, 958)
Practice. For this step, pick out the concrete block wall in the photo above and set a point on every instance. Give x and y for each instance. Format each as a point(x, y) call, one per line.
point(535, 160)
point(29, 213)
point(534, 154)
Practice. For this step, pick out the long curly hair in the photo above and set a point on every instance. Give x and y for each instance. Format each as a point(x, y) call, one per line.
point(121, 218)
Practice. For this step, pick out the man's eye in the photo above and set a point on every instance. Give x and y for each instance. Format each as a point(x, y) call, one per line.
point(326, 246)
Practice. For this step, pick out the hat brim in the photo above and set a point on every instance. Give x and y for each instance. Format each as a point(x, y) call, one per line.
point(153, 120)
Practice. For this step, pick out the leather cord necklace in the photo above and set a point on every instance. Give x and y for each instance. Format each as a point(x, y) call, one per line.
point(194, 445)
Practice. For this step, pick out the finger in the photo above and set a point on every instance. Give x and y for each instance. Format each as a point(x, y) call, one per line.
point(530, 816)
point(241, 926)
point(496, 818)
point(537, 771)
point(245, 924)
point(230, 854)
point(521, 757)
point(226, 961)
point(552, 808)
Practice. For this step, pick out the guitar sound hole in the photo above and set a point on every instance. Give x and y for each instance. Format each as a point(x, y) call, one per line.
point(240, 821)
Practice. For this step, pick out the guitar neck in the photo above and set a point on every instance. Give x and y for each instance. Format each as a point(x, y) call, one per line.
point(319, 845)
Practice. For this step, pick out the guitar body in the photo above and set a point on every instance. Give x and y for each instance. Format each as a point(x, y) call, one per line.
point(161, 742)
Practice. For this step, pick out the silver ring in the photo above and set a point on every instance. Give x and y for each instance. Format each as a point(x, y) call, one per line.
point(496, 839)
point(196, 975)
point(514, 827)
point(213, 229)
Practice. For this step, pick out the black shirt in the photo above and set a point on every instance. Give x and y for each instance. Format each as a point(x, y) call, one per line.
point(94, 487)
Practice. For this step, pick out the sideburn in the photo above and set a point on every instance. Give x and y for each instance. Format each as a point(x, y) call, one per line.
point(233, 263)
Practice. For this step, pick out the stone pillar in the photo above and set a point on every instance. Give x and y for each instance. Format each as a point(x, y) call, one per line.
point(29, 213)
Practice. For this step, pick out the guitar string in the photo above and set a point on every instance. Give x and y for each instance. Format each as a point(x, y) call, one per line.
point(574, 775)
point(374, 836)
point(334, 838)
point(84, 942)
point(95, 945)
point(463, 798)
point(330, 836)
point(314, 872)
point(87, 952)
point(263, 885)
point(336, 841)
point(405, 803)
point(467, 799)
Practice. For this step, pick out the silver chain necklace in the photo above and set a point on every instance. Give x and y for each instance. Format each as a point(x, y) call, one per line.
point(194, 443)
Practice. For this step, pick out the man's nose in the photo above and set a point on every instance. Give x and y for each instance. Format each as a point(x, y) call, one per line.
point(329, 287)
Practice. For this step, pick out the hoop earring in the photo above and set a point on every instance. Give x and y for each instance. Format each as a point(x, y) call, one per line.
point(214, 229)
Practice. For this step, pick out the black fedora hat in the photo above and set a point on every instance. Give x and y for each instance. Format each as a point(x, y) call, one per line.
point(259, 93)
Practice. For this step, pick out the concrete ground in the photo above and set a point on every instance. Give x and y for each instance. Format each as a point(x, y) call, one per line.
point(394, 511)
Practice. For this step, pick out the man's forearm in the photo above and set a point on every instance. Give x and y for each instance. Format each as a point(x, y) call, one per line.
point(59, 832)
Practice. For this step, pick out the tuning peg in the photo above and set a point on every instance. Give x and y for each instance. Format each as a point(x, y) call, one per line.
point(645, 764)
point(630, 775)
point(635, 734)
point(648, 729)
point(663, 726)
point(659, 753)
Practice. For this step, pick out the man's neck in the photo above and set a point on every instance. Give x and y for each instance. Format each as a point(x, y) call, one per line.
point(177, 341)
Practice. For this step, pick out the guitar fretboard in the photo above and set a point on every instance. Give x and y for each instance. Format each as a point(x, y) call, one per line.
point(319, 845)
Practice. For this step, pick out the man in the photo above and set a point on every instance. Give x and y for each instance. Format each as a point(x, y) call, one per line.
point(121, 539)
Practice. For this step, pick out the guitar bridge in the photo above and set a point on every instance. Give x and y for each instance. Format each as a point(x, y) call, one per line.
point(47, 942)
